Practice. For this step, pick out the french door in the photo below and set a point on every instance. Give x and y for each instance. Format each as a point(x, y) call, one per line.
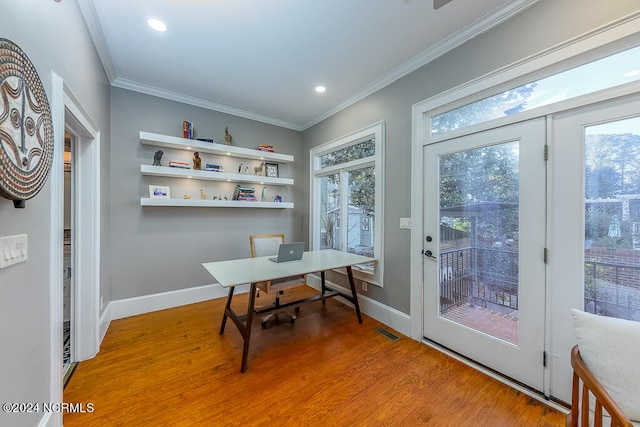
point(484, 248)
point(594, 258)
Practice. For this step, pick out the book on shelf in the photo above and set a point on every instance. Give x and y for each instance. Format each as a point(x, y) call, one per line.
point(188, 130)
point(177, 164)
point(265, 147)
point(244, 193)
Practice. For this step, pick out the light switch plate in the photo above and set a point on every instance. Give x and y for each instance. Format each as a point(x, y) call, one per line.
point(13, 249)
point(405, 223)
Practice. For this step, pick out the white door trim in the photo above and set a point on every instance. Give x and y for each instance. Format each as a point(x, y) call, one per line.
point(67, 112)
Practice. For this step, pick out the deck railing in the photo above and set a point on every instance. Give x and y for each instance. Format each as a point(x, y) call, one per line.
point(605, 292)
point(479, 276)
point(486, 276)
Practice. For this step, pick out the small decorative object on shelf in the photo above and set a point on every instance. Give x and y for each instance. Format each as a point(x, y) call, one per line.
point(187, 197)
point(188, 130)
point(159, 192)
point(157, 158)
point(262, 195)
point(205, 140)
point(203, 196)
point(228, 139)
point(197, 161)
point(277, 198)
point(258, 169)
point(272, 170)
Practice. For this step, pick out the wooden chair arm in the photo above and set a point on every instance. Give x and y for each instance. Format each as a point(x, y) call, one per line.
point(579, 416)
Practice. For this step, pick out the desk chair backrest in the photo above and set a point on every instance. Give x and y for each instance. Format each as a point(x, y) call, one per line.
point(265, 244)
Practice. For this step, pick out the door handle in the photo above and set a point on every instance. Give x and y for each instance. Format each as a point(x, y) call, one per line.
point(429, 254)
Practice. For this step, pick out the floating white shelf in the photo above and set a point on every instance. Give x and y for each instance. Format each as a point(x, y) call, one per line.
point(150, 170)
point(213, 148)
point(214, 203)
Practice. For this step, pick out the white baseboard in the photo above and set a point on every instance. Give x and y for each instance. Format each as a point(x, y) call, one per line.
point(161, 301)
point(391, 317)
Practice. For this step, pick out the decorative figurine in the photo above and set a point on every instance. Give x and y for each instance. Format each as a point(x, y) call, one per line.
point(228, 139)
point(197, 161)
point(225, 197)
point(277, 198)
point(262, 196)
point(203, 196)
point(215, 197)
point(187, 197)
point(258, 169)
point(157, 157)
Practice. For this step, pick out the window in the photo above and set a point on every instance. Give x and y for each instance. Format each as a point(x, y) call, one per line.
point(611, 71)
point(346, 202)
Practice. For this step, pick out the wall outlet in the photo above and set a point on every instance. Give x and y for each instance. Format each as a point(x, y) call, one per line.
point(364, 286)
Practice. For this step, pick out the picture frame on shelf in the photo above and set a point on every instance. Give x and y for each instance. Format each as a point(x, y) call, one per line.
point(159, 192)
point(271, 170)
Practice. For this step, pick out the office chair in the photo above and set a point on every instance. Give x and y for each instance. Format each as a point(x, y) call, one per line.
point(267, 245)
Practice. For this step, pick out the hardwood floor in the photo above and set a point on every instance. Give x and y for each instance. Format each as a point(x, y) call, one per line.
point(173, 368)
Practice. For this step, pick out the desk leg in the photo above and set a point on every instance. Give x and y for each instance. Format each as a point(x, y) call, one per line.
point(324, 287)
point(247, 332)
point(226, 309)
point(354, 293)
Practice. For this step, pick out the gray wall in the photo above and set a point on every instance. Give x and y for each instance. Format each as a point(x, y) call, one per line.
point(54, 37)
point(159, 249)
point(542, 26)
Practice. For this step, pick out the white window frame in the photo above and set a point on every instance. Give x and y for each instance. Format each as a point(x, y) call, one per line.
point(375, 131)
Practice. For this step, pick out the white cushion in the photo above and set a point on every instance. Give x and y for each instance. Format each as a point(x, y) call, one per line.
point(610, 348)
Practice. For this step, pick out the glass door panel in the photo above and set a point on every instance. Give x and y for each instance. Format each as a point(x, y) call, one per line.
point(612, 219)
point(479, 220)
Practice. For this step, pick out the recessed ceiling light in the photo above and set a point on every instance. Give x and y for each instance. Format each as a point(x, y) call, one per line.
point(157, 24)
point(320, 89)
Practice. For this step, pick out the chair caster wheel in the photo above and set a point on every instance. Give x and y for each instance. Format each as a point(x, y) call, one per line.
point(293, 320)
point(264, 325)
point(297, 309)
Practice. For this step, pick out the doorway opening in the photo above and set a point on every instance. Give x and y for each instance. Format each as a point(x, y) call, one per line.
point(68, 327)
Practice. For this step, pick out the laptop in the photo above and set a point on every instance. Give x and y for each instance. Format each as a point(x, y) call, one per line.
point(289, 252)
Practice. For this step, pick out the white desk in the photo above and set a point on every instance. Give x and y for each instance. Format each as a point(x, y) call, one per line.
point(253, 270)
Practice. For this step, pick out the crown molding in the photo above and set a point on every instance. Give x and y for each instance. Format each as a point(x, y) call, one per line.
point(203, 103)
point(95, 31)
point(476, 28)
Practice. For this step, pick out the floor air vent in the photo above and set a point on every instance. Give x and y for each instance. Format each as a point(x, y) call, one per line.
point(390, 335)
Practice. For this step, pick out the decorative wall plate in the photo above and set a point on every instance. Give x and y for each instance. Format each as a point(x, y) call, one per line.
point(26, 129)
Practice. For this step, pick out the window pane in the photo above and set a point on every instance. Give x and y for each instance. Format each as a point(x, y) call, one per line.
point(330, 212)
point(611, 71)
point(354, 152)
point(361, 216)
point(612, 219)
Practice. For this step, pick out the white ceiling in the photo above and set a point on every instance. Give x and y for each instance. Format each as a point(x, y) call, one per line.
point(262, 59)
